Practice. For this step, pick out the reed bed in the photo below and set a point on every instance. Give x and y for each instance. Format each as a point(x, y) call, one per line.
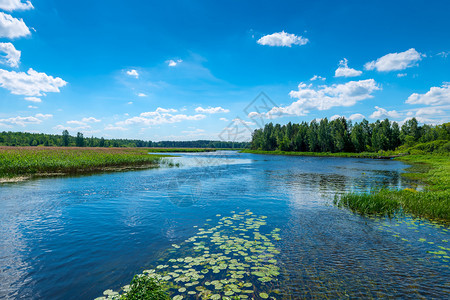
point(29, 161)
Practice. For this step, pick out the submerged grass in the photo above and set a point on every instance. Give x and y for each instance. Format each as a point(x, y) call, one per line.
point(32, 161)
point(433, 202)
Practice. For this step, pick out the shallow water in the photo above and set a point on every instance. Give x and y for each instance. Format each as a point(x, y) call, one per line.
point(74, 237)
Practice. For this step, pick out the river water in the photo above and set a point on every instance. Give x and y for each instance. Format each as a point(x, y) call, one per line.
point(75, 237)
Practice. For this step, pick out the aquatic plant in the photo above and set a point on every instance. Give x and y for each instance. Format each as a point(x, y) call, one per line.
point(231, 260)
point(433, 202)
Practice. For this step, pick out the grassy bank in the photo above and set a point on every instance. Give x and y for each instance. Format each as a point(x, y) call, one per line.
point(41, 161)
point(322, 154)
point(433, 202)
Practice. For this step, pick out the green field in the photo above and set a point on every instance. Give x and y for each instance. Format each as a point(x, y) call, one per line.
point(40, 161)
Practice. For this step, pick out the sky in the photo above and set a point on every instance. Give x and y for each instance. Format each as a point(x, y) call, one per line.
point(190, 70)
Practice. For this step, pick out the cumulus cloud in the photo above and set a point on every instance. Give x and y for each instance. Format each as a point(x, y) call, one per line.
point(435, 96)
point(382, 113)
point(31, 83)
point(351, 118)
point(282, 39)
point(10, 5)
point(90, 120)
point(395, 61)
point(212, 110)
point(142, 95)
point(429, 111)
point(11, 27)
point(173, 63)
point(32, 107)
point(160, 116)
point(33, 99)
point(223, 119)
point(344, 71)
point(317, 77)
point(9, 55)
point(23, 121)
point(115, 128)
point(354, 117)
point(133, 73)
point(323, 97)
point(68, 128)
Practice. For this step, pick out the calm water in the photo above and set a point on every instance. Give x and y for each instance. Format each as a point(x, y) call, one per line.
point(74, 237)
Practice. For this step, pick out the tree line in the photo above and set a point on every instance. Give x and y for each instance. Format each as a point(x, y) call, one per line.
point(66, 140)
point(341, 135)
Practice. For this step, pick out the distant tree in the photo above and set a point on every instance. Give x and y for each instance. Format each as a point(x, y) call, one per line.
point(65, 138)
point(79, 141)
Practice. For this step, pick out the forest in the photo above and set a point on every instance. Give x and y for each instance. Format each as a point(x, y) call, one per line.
point(67, 140)
point(340, 135)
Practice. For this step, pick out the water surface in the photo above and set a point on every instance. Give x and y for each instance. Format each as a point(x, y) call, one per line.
point(74, 237)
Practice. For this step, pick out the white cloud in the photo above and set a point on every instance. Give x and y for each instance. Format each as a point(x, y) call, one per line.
point(317, 77)
point(444, 54)
point(11, 5)
point(223, 119)
point(399, 75)
point(68, 128)
point(33, 107)
point(323, 97)
point(11, 27)
point(44, 116)
point(112, 127)
point(435, 96)
point(344, 71)
point(31, 83)
point(11, 56)
point(33, 99)
point(83, 121)
point(173, 63)
point(194, 132)
point(23, 121)
point(395, 61)
point(238, 121)
point(282, 39)
point(133, 73)
point(354, 117)
point(160, 116)
point(429, 111)
point(212, 110)
point(142, 95)
point(382, 113)
point(129, 103)
point(90, 120)
point(75, 122)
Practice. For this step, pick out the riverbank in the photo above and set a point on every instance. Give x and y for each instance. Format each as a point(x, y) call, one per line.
point(21, 163)
point(324, 154)
point(433, 202)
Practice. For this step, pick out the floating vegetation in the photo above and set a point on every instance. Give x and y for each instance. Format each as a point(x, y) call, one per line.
point(233, 260)
point(427, 232)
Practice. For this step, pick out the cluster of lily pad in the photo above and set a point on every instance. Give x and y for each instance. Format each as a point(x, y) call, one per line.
point(438, 248)
point(232, 260)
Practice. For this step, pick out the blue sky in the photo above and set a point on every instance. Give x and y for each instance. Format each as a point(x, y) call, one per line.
point(186, 70)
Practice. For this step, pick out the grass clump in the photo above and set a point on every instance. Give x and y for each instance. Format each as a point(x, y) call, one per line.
point(433, 202)
point(143, 287)
point(30, 161)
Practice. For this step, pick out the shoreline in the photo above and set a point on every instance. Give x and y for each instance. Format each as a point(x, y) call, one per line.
point(324, 154)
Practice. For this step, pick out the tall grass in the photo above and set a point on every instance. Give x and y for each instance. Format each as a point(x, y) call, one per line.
point(433, 202)
point(24, 161)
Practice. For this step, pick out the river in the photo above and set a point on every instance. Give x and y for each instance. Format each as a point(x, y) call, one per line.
point(75, 237)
